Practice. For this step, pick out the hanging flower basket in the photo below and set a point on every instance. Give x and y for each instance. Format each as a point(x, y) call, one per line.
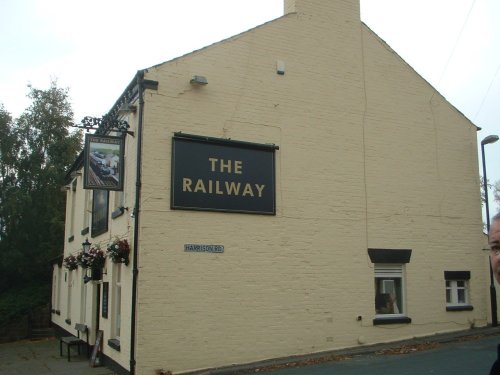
point(94, 259)
point(70, 262)
point(118, 251)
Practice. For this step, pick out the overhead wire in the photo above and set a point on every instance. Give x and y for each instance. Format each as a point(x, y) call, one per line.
point(456, 42)
point(487, 92)
point(453, 53)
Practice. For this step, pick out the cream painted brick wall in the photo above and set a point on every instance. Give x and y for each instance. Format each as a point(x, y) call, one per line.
point(276, 286)
point(370, 156)
point(122, 227)
point(350, 175)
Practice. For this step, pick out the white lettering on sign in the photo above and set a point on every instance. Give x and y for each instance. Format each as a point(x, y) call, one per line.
point(194, 248)
point(217, 187)
point(222, 187)
point(228, 166)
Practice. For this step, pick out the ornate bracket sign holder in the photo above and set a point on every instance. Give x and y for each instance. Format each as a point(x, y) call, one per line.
point(104, 124)
point(104, 154)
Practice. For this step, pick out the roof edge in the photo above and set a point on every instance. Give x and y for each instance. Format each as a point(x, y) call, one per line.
point(436, 91)
point(234, 37)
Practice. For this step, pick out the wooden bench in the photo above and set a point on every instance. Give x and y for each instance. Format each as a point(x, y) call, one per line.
point(72, 340)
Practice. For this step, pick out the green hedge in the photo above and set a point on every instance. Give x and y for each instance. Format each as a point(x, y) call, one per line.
point(16, 302)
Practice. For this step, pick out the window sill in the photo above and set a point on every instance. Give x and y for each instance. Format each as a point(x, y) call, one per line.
point(460, 308)
point(96, 233)
point(84, 231)
point(391, 320)
point(118, 212)
point(114, 344)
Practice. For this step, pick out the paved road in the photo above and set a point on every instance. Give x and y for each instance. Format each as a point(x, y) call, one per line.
point(470, 357)
point(457, 356)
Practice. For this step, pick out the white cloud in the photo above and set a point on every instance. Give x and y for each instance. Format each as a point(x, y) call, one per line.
point(94, 47)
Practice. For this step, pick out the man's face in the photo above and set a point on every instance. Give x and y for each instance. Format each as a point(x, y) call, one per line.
point(495, 248)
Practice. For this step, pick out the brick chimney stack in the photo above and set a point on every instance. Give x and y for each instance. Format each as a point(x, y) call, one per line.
point(289, 6)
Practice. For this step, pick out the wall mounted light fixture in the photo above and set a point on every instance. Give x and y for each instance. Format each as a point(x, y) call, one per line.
point(86, 246)
point(199, 80)
point(280, 67)
point(127, 108)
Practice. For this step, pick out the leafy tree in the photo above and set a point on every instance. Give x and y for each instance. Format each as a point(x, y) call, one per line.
point(496, 191)
point(495, 188)
point(35, 153)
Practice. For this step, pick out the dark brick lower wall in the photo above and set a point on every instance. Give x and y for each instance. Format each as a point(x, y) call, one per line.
point(18, 329)
point(22, 327)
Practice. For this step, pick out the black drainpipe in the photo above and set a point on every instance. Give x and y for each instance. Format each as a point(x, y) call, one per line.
point(135, 269)
point(142, 85)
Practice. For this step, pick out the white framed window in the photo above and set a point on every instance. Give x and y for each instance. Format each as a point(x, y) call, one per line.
point(119, 200)
point(457, 292)
point(73, 208)
point(389, 290)
point(83, 299)
point(118, 204)
point(68, 302)
point(117, 302)
point(54, 291)
point(87, 211)
point(457, 287)
point(58, 291)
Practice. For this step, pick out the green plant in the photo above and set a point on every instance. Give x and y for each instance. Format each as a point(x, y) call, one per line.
point(119, 251)
point(94, 258)
point(70, 262)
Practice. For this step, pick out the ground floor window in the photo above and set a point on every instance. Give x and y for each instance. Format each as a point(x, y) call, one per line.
point(114, 342)
point(457, 290)
point(68, 305)
point(83, 300)
point(389, 291)
point(389, 287)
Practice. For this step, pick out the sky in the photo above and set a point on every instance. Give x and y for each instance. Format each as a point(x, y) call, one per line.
point(95, 47)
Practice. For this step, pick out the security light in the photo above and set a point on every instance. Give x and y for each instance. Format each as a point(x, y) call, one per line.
point(199, 80)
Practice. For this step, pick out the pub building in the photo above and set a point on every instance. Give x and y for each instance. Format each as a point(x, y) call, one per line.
point(297, 188)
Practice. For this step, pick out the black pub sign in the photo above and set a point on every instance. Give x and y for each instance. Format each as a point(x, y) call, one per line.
point(222, 175)
point(103, 164)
